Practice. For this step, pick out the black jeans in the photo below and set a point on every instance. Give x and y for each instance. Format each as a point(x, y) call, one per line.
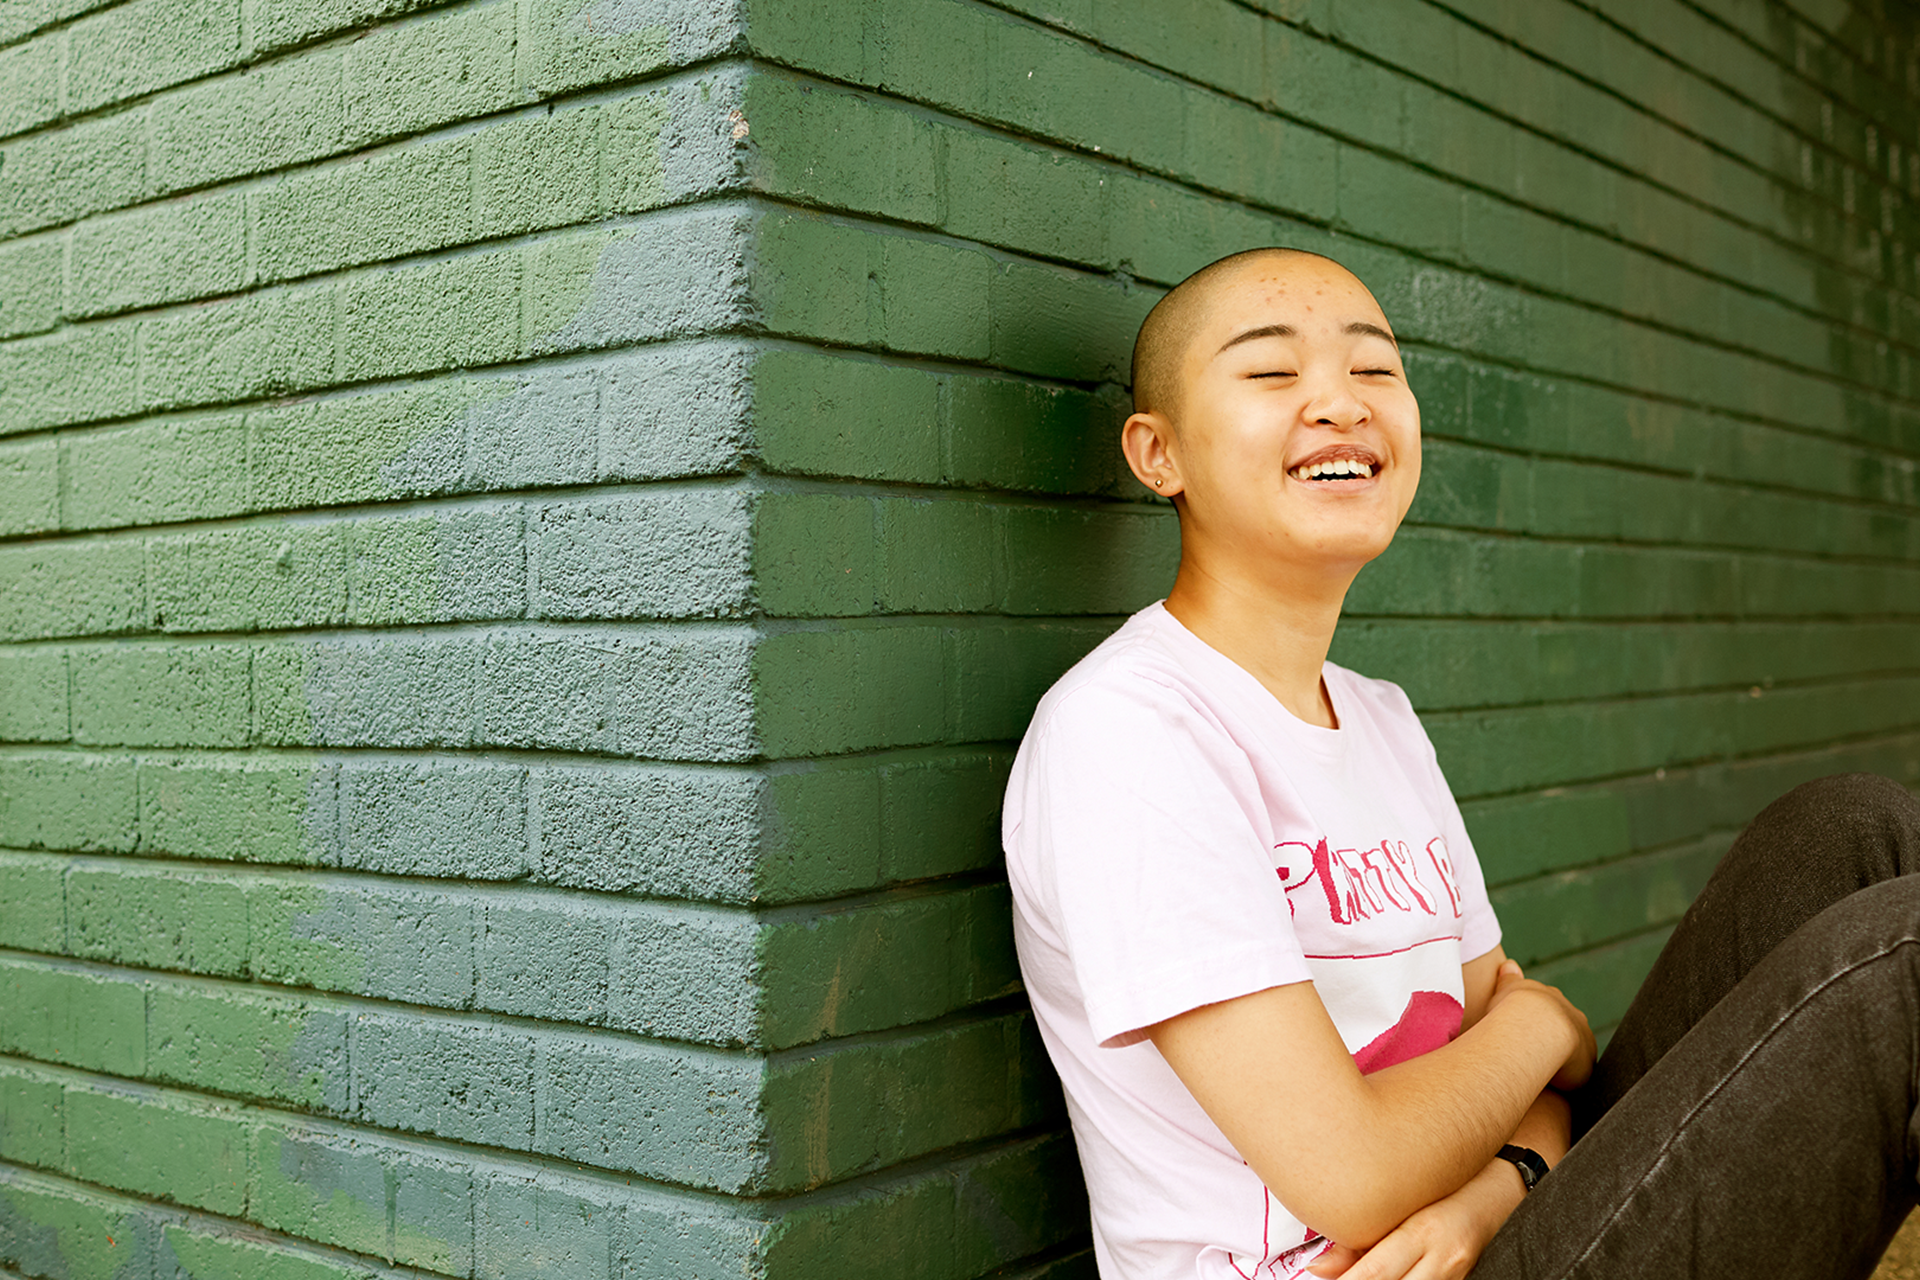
point(1754, 1114)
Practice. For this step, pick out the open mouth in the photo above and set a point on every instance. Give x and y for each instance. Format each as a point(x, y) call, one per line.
point(1346, 462)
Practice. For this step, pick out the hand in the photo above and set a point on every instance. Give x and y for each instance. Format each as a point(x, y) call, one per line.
point(1441, 1241)
point(1509, 982)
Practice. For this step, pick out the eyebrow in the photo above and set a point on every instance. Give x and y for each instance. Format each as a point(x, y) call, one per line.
point(1358, 327)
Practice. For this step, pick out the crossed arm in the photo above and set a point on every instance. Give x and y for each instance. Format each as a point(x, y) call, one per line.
point(1399, 1165)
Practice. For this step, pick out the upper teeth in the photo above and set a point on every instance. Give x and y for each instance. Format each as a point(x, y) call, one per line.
point(1338, 467)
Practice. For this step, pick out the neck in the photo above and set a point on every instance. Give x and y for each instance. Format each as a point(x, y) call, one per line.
point(1277, 630)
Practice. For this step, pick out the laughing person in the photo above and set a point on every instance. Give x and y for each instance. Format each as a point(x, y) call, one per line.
point(1258, 942)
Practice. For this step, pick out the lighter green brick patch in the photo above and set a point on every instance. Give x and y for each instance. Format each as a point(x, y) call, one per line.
point(300, 928)
point(350, 1197)
point(280, 710)
point(388, 444)
point(396, 570)
point(75, 1239)
point(581, 42)
point(560, 280)
point(242, 810)
point(203, 1257)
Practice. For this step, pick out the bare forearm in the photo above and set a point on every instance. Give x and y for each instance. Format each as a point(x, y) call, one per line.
point(1433, 1123)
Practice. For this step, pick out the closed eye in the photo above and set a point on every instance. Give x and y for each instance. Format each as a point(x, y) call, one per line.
point(1273, 373)
point(1388, 373)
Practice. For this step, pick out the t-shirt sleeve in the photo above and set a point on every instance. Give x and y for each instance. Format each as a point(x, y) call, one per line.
point(1148, 841)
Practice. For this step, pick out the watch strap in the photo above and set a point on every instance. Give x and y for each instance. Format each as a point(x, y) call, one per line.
point(1532, 1168)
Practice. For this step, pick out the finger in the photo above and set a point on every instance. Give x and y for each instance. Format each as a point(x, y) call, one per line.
point(1334, 1262)
point(1394, 1258)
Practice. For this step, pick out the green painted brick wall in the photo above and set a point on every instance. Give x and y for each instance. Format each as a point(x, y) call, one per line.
point(530, 529)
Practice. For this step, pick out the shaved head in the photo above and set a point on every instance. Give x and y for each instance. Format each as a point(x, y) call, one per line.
point(1170, 327)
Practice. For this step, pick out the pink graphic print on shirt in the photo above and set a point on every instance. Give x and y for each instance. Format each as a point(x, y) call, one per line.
point(1362, 883)
point(1432, 1018)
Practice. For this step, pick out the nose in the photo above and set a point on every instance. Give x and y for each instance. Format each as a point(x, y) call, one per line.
point(1335, 402)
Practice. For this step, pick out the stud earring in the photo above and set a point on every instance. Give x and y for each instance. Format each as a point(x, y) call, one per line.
point(1158, 483)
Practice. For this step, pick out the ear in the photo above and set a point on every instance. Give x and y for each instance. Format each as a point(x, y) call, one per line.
point(1147, 440)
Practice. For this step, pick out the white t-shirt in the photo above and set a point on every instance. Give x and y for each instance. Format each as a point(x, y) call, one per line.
point(1175, 837)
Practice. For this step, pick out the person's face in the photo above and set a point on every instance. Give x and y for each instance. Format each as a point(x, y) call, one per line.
point(1297, 436)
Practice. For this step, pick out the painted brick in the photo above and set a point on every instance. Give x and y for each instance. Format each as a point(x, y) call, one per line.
point(202, 1253)
point(335, 934)
point(435, 819)
point(676, 410)
point(1009, 434)
point(1064, 324)
point(378, 444)
point(157, 919)
point(32, 902)
point(67, 801)
point(937, 556)
point(845, 1109)
point(138, 47)
point(75, 375)
point(667, 554)
point(248, 578)
point(1574, 910)
point(540, 1227)
point(84, 587)
point(891, 682)
point(373, 1198)
point(60, 1014)
point(563, 148)
point(257, 344)
point(574, 45)
point(238, 808)
point(32, 1126)
point(815, 555)
point(155, 472)
point(591, 290)
point(451, 566)
point(161, 696)
point(31, 72)
point(459, 1080)
point(1088, 561)
point(688, 975)
point(678, 693)
point(544, 959)
point(142, 1140)
point(911, 959)
point(30, 284)
point(819, 141)
point(65, 173)
point(819, 279)
point(390, 205)
point(671, 832)
point(382, 691)
point(702, 1128)
point(997, 674)
point(280, 112)
point(823, 414)
point(685, 139)
point(240, 1042)
point(279, 23)
point(185, 248)
point(35, 706)
point(1015, 1199)
point(451, 314)
point(407, 76)
point(56, 1229)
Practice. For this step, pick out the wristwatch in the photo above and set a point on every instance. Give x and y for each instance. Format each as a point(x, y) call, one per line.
point(1532, 1168)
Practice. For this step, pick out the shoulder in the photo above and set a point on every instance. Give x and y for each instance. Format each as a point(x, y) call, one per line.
point(1137, 682)
point(1381, 697)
